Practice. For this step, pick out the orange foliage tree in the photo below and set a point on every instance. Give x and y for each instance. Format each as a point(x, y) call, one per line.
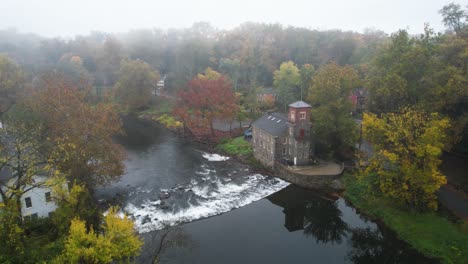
point(79, 134)
point(204, 100)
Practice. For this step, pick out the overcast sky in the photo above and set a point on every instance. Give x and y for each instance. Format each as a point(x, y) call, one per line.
point(66, 18)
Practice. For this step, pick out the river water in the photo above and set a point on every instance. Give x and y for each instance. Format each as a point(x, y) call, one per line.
point(170, 184)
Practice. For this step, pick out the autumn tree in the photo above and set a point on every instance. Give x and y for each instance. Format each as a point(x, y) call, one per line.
point(71, 66)
point(407, 149)
point(118, 241)
point(205, 99)
point(79, 135)
point(137, 79)
point(333, 125)
point(209, 74)
point(11, 83)
point(287, 81)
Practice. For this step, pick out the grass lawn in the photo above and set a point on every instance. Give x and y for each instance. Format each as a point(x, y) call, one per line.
point(235, 146)
point(431, 234)
point(158, 107)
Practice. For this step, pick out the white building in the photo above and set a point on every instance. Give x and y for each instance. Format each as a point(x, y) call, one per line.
point(37, 202)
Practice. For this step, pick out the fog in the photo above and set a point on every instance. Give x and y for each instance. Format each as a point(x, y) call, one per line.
point(52, 18)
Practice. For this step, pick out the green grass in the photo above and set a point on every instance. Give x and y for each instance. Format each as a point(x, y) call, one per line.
point(158, 107)
point(431, 234)
point(235, 146)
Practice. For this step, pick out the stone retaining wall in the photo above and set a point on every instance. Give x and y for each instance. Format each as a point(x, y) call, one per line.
point(307, 181)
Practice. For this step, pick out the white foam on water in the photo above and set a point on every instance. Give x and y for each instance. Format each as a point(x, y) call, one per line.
point(226, 197)
point(214, 157)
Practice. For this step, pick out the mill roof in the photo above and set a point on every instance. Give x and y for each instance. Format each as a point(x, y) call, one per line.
point(300, 104)
point(275, 124)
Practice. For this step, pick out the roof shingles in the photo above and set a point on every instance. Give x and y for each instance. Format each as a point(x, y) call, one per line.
point(275, 124)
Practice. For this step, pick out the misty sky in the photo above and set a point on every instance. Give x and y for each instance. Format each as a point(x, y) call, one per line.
point(66, 18)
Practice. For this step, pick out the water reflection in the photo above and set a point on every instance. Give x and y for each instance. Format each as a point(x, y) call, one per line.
point(370, 246)
point(318, 217)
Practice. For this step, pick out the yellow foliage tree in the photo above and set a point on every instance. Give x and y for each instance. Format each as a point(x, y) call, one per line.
point(407, 153)
point(117, 242)
point(11, 233)
point(209, 74)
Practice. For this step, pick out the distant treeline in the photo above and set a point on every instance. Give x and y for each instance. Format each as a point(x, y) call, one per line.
point(249, 53)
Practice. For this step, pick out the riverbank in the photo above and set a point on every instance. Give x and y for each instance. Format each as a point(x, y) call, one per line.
point(238, 150)
point(432, 234)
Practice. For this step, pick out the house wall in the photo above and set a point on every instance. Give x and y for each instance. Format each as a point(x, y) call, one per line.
point(38, 200)
point(39, 204)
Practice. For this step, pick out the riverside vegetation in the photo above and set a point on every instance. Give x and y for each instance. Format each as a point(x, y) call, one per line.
point(60, 109)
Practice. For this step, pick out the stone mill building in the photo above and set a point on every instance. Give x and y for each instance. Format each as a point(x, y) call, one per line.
point(277, 137)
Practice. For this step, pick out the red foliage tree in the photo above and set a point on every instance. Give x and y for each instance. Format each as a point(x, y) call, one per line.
point(203, 101)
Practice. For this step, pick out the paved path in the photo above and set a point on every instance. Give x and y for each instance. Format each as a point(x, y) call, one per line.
point(456, 201)
point(225, 125)
point(328, 168)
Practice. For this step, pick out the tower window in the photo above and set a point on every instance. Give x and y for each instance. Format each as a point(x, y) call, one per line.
point(302, 115)
point(293, 115)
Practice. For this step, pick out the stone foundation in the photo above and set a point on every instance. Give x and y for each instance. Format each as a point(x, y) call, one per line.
point(307, 181)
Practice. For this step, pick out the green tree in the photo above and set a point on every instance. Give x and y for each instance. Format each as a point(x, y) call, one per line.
point(307, 73)
point(11, 83)
point(454, 17)
point(393, 80)
point(136, 81)
point(72, 203)
point(333, 125)
point(407, 149)
point(429, 72)
point(232, 68)
point(108, 60)
point(287, 81)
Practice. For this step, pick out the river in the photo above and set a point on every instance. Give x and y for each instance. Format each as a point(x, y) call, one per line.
point(171, 186)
